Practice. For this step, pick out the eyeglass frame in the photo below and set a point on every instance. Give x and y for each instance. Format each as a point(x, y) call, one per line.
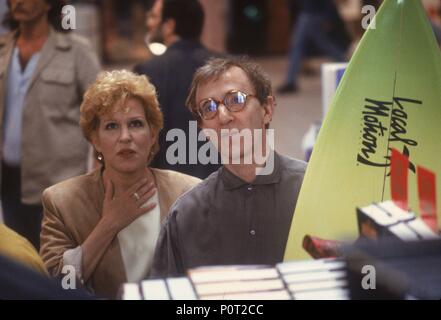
point(219, 102)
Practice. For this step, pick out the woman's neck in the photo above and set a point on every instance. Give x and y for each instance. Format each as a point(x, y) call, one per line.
point(123, 181)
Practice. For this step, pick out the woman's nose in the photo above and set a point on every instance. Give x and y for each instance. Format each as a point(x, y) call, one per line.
point(125, 135)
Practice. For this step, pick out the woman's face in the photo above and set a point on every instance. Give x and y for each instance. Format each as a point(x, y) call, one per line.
point(124, 139)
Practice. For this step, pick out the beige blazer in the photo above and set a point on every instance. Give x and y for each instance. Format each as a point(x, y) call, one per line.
point(72, 210)
point(53, 146)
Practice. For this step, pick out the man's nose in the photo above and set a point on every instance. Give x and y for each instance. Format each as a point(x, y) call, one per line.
point(224, 114)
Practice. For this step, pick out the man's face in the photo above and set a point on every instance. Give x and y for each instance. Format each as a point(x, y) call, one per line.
point(153, 22)
point(254, 116)
point(28, 10)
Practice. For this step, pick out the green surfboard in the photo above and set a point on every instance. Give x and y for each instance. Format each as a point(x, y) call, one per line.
point(389, 97)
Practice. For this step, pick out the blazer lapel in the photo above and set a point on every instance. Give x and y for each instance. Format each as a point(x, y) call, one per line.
point(163, 193)
point(113, 254)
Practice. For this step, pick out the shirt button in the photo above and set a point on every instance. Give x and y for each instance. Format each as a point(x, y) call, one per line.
point(253, 232)
point(250, 188)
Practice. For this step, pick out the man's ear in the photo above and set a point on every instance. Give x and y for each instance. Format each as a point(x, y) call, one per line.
point(269, 109)
point(48, 6)
point(169, 27)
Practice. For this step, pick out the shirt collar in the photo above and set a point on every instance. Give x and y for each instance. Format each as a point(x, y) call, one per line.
point(30, 66)
point(59, 40)
point(231, 181)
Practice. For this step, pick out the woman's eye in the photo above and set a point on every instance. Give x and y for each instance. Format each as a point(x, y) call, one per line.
point(136, 123)
point(111, 126)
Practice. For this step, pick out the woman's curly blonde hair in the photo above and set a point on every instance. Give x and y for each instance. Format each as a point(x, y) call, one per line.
point(108, 94)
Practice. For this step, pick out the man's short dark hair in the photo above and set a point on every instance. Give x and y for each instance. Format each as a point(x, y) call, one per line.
point(54, 16)
point(188, 16)
point(216, 67)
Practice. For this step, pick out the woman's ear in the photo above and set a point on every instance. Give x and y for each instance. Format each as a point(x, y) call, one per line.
point(153, 136)
point(95, 141)
point(269, 109)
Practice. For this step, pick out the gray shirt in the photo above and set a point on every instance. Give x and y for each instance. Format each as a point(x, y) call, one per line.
point(225, 220)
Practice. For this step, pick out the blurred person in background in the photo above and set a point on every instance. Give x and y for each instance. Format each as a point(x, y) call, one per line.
point(153, 20)
point(314, 27)
point(44, 72)
point(105, 224)
point(433, 10)
point(3, 9)
point(178, 24)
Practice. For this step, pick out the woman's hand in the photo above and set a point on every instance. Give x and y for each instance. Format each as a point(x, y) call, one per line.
point(120, 211)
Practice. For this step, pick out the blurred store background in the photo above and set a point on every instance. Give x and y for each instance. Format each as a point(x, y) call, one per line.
point(258, 28)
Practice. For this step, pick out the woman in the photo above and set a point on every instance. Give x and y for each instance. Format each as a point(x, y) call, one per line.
point(106, 223)
point(44, 72)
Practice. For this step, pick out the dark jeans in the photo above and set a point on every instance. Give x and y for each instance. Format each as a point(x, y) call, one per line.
point(309, 28)
point(22, 218)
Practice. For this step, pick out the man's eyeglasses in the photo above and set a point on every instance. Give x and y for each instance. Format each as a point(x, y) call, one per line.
point(234, 101)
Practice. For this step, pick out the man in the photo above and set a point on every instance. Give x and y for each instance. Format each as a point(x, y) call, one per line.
point(237, 215)
point(180, 29)
point(43, 74)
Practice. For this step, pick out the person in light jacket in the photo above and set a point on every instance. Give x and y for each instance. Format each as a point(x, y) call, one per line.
point(43, 75)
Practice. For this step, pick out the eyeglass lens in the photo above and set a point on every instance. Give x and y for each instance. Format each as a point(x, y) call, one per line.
point(233, 101)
